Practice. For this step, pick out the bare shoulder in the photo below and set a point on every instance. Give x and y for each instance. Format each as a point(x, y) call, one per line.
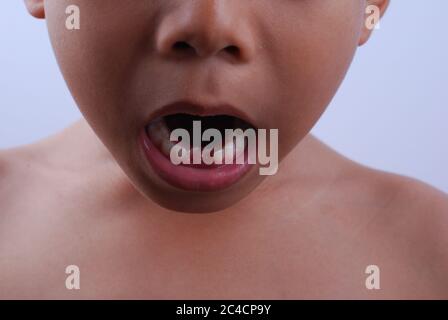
point(419, 198)
point(25, 171)
point(397, 192)
point(10, 162)
point(15, 171)
point(403, 197)
point(408, 219)
point(397, 220)
point(35, 167)
point(422, 210)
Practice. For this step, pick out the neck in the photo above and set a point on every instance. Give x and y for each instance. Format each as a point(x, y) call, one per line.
point(79, 141)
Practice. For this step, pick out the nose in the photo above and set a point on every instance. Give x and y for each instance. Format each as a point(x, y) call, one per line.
point(205, 28)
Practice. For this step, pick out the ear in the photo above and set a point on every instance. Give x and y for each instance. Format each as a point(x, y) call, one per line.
point(36, 8)
point(374, 9)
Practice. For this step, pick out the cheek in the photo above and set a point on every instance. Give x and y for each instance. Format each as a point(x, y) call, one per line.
point(95, 59)
point(314, 60)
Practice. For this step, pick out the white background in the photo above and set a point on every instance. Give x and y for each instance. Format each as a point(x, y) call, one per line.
point(391, 112)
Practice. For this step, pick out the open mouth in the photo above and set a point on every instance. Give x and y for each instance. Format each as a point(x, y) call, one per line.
point(194, 175)
point(159, 131)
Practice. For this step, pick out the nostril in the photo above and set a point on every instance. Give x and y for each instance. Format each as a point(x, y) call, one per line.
point(233, 50)
point(181, 46)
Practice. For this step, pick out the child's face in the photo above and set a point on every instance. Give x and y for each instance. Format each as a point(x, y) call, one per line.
point(131, 58)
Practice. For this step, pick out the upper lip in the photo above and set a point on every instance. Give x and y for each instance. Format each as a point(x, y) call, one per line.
point(189, 106)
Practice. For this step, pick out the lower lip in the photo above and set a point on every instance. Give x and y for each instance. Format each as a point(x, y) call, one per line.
point(192, 178)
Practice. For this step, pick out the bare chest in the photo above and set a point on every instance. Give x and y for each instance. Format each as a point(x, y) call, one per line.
point(60, 251)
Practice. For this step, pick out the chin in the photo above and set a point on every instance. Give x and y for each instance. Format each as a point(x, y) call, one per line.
point(200, 202)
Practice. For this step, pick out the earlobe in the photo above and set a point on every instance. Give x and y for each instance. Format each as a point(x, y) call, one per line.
point(36, 8)
point(373, 11)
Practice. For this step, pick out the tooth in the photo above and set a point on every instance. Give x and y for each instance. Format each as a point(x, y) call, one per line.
point(198, 151)
point(234, 149)
point(239, 149)
point(219, 156)
point(156, 136)
point(184, 152)
point(156, 124)
point(229, 149)
point(158, 131)
point(166, 147)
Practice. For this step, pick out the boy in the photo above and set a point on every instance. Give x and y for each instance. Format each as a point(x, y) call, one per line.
point(102, 195)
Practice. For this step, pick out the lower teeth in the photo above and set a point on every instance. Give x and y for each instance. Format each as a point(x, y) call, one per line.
point(159, 133)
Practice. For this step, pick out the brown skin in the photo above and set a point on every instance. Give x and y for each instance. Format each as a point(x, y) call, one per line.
point(292, 76)
point(85, 196)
